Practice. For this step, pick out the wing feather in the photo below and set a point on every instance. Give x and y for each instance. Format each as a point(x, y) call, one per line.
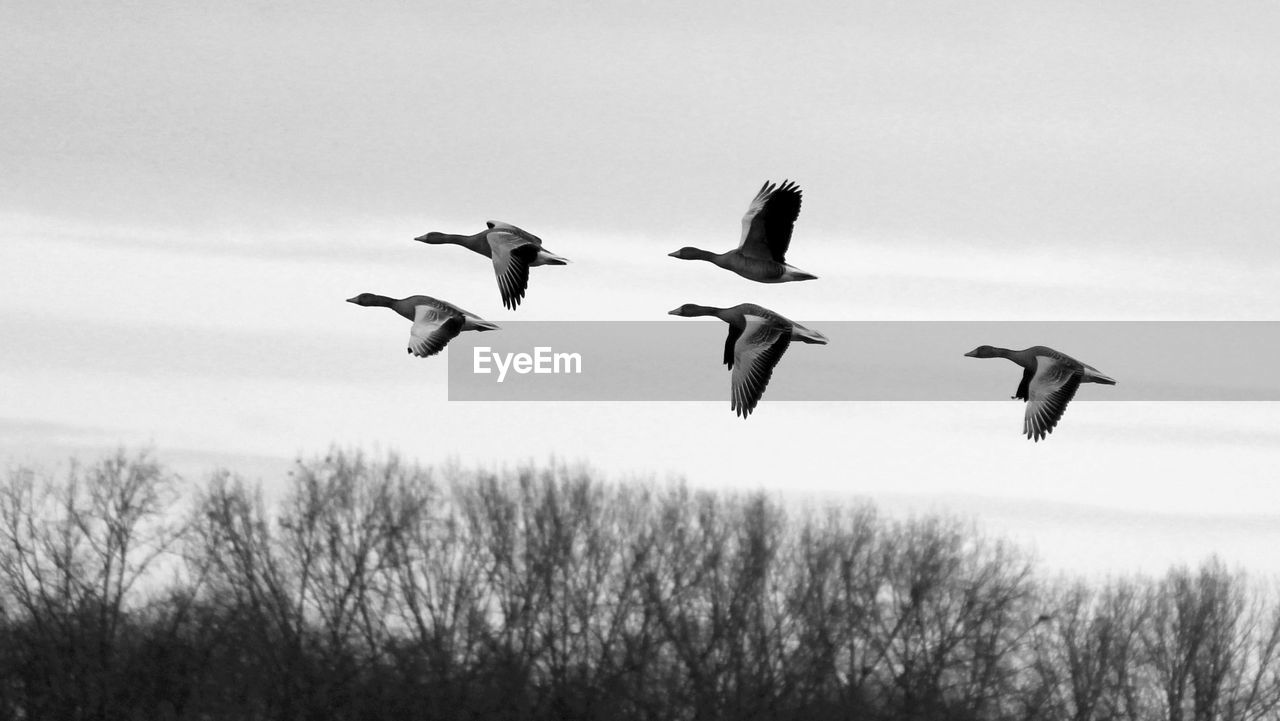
point(509, 228)
point(432, 330)
point(730, 343)
point(769, 221)
point(1021, 393)
point(757, 205)
point(442, 306)
point(756, 352)
point(511, 255)
point(1050, 390)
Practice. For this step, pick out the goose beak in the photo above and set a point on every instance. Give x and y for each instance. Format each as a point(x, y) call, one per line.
point(674, 312)
point(352, 300)
point(673, 254)
point(421, 239)
point(971, 354)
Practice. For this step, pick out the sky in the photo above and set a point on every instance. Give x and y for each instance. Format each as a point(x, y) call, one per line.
point(190, 192)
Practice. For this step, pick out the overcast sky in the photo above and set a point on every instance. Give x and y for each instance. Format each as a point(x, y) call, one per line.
point(190, 192)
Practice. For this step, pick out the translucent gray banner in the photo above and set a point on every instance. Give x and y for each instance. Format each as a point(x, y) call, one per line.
point(681, 360)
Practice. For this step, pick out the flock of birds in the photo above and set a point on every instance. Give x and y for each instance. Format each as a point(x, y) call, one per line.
point(758, 337)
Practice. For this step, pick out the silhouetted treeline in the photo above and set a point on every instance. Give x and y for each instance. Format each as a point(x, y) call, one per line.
point(376, 589)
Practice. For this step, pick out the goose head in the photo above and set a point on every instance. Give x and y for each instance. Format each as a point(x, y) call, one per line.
point(982, 351)
point(367, 299)
point(691, 253)
point(692, 310)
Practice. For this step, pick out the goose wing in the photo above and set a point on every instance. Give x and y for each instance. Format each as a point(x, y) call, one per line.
point(432, 330)
point(1050, 390)
point(767, 225)
point(731, 344)
point(758, 349)
point(441, 306)
point(511, 255)
point(521, 232)
point(1024, 384)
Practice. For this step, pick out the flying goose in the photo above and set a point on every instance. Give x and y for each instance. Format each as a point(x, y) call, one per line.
point(435, 322)
point(1049, 382)
point(766, 235)
point(757, 339)
point(512, 250)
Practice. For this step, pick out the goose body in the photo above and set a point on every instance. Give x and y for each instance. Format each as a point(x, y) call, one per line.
point(513, 252)
point(757, 339)
point(766, 236)
point(1050, 379)
point(435, 322)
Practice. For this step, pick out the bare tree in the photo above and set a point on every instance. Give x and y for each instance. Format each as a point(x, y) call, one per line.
point(833, 582)
point(1251, 688)
point(73, 555)
point(1212, 649)
point(260, 601)
point(950, 617)
point(1089, 653)
point(378, 588)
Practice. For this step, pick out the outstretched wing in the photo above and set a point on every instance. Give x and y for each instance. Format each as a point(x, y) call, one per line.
point(757, 350)
point(511, 255)
point(432, 330)
point(767, 225)
point(1048, 393)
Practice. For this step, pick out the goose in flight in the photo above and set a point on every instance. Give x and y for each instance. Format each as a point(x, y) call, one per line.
point(1049, 382)
point(513, 251)
point(757, 339)
point(766, 235)
point(435, 322)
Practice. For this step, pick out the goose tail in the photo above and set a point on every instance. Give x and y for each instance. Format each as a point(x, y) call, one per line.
point(545, 258)
point(1093, 376)
point(808, 335)
point(791, 273)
